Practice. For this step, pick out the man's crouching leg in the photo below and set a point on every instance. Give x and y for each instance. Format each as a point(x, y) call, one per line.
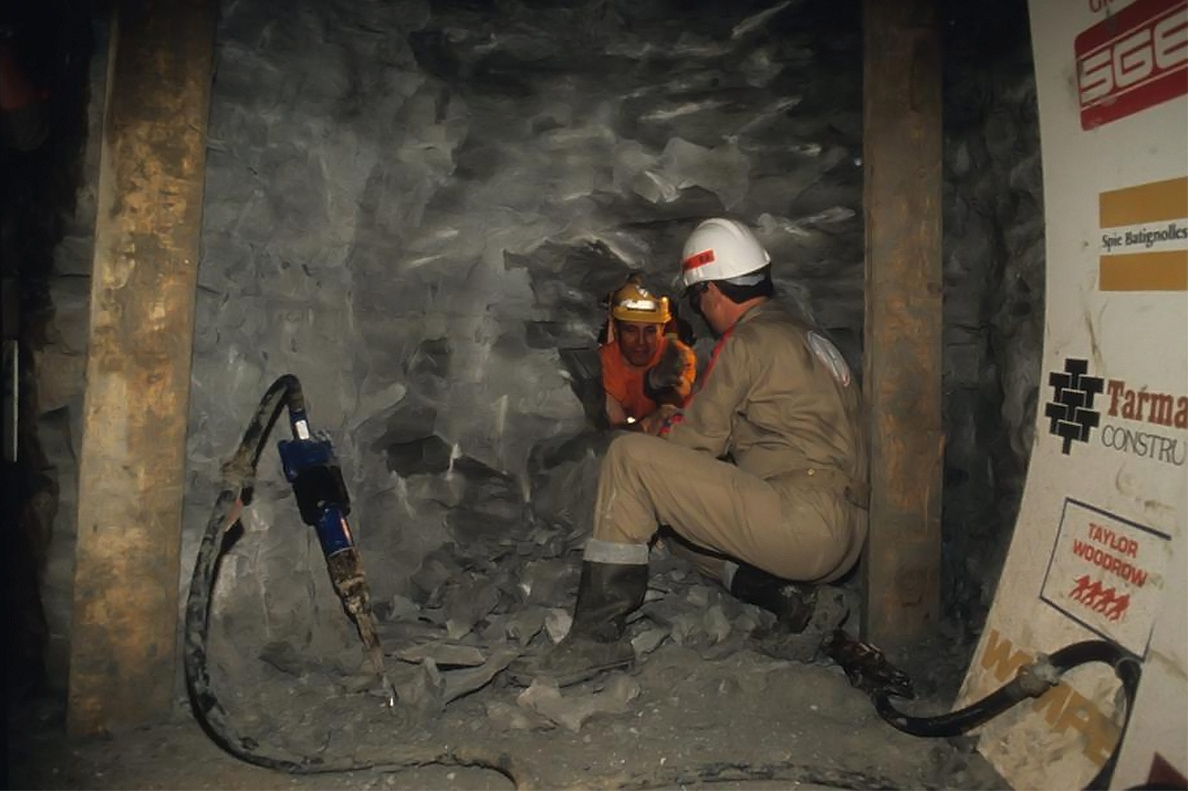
point(614, 576)
point(792, 603)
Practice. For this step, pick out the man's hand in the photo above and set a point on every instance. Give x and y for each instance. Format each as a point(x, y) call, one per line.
point(666, 381)
point(653, 423)
point(616, 415)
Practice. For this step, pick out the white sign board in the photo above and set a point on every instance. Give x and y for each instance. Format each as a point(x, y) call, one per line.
point(1099, 547)
point(1107, 574)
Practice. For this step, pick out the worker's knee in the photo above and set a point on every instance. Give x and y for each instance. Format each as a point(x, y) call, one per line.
point(630, 448)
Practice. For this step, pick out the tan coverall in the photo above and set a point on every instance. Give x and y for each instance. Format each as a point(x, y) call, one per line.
point(779, 402)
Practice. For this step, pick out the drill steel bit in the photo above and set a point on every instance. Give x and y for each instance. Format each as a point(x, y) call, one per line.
point(346, 572)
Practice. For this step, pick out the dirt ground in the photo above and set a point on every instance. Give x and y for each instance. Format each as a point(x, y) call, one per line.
point(742, 721)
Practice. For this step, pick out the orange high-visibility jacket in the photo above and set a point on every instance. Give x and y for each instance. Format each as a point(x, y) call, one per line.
point(625, 383)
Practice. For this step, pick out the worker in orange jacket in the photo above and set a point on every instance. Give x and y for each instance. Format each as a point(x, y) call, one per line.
point(647, 372)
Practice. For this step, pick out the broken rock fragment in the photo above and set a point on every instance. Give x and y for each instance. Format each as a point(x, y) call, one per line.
point(698, 596)
point(421, 689)
point(506, 717)
point(557, 624)
point(545, 581)
point(398, 608)
point(545, 698)
point(463, 682)
point(436, 569)
point(687, 628)
point(444, 654)
point(526, 624)
point(427, 689)
point(469, 604)
point(716, 624)
point(648, 641)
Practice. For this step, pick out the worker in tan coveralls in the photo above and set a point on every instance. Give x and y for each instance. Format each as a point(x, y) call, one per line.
point(763, 474)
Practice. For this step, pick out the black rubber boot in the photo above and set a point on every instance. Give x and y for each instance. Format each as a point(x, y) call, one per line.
point(607, 594)
point(792, 603)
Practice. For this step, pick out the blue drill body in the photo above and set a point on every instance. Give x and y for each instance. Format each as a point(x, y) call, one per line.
point(312, 468)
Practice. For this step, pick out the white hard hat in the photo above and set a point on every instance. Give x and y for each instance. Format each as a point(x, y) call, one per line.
point(721, 249)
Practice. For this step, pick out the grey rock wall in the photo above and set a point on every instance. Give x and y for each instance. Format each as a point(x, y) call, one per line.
point(417, 210)
point(48, 217)
point(994, 295)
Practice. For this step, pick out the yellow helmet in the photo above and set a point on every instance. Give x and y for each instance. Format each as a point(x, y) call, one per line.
point(633, 302)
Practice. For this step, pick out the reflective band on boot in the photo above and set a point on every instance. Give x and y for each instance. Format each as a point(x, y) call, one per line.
point(599, 551)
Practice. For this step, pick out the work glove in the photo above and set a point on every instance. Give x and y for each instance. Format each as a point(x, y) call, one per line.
point(666, 381)
point(656, 422)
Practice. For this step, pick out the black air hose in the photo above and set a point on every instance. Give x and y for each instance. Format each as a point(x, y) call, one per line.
point(238, 481)
point(1031, 681)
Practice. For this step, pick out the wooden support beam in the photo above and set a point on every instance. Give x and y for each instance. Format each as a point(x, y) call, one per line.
point(904, 278)
point(131, 470)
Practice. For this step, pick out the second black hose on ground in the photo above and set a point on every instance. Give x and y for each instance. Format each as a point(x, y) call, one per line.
point(1032, 681)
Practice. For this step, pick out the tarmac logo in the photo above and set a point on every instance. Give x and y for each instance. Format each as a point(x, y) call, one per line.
point(1105, 601)
point(1071, 411)
point(1164, 409)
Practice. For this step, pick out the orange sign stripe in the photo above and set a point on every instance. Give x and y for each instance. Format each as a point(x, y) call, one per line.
point(1162, 271)
point(1154, 202)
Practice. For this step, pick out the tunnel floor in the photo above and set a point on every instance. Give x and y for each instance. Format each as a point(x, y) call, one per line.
point(718, 717)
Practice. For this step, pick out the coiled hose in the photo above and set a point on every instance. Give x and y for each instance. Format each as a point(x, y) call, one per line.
point(239, 475)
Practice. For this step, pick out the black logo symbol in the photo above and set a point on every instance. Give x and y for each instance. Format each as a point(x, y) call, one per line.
point(1071, 408)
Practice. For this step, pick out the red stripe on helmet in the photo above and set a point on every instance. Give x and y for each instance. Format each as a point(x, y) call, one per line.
point(698, 259)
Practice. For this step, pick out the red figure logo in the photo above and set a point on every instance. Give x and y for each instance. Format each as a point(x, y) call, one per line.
point(1100, 600)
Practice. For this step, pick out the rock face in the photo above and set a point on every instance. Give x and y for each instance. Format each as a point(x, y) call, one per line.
point(418, 211)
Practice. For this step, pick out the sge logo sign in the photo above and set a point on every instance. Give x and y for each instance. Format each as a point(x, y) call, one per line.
point(1132, 60)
